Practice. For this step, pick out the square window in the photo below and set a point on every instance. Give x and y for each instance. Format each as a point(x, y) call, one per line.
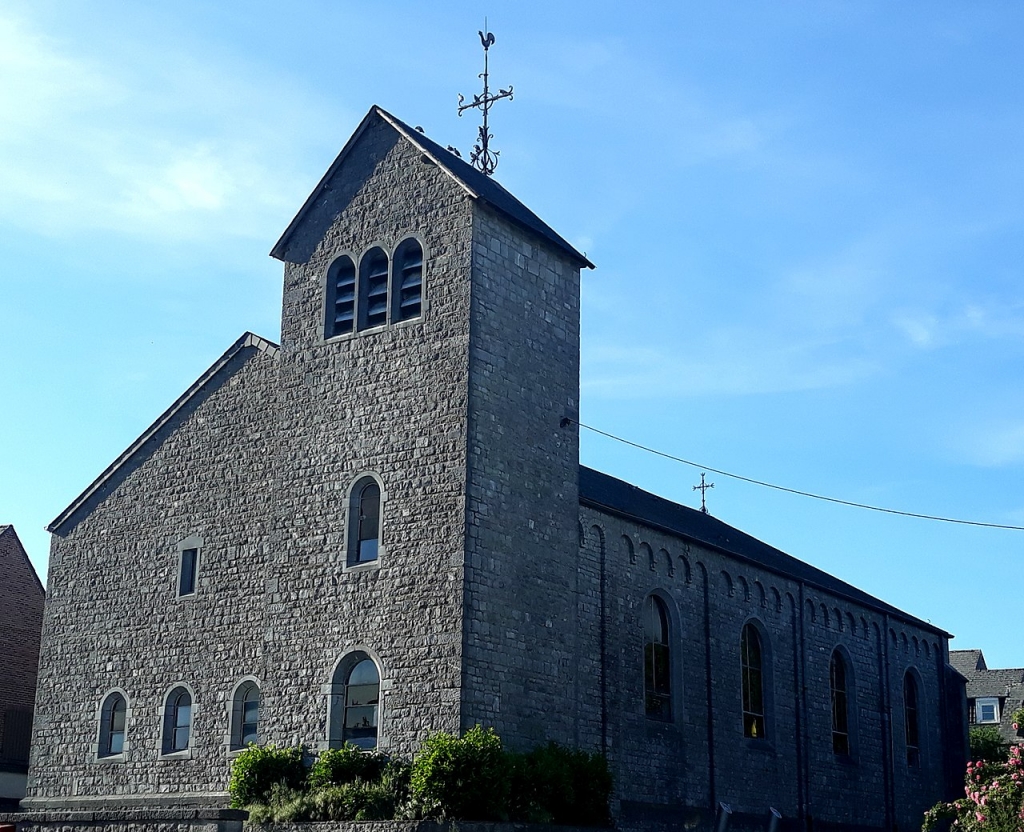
point(987, 710)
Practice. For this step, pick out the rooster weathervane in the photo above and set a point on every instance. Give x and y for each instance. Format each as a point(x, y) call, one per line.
point(482, 157)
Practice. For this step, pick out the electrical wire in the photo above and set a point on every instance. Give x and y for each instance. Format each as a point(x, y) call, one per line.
point(796, 491)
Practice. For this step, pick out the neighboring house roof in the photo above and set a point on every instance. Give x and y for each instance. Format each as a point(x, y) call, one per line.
point(96, 489)
point(614, 496)
point(967, 662)
point(7, 530)
point(478, 186)
point(1005, 684)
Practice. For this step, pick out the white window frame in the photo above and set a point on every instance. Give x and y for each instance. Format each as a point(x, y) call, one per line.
point(982, 702)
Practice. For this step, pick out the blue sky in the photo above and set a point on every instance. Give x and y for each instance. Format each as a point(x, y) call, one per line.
point(808, 222)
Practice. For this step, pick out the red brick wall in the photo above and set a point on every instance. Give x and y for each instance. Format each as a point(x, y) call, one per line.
point(21, 622)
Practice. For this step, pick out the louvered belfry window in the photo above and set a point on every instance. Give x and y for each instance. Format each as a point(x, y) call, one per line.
point(341, 301)
point(408, 277)
point(373, 289)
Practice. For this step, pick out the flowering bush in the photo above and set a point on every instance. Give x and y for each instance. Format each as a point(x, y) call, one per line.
point(993, 801)
point(1018, 719)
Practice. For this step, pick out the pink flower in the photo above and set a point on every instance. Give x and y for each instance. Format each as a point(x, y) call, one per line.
point(980, 817)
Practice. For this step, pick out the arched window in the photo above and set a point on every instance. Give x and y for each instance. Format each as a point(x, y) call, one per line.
point(407, 274)
point(339, 312)
point(364, 522)
point(752, 670)
point(177, 721)
point(113, 721)
point(840, 704)
point(245, 715)
point(657, 660)
point(355, 702)
point(910, 724)
point(373, 289)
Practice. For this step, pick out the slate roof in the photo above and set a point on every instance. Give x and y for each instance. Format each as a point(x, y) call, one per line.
point(614, 496)
point(247, 339)
point(477, 186)
point(967, 662)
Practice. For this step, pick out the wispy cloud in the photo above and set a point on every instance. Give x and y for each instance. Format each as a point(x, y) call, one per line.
point(116, 143)
point(730, 362)
point(995, 445)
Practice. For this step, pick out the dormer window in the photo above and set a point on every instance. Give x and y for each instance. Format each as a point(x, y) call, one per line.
point(373, 289)
point(986, 711)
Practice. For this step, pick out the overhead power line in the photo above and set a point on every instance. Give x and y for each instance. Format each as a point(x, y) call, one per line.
point(796, 491)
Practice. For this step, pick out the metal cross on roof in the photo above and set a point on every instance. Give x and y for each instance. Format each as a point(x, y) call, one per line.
point(703, 488)
point(482, 157)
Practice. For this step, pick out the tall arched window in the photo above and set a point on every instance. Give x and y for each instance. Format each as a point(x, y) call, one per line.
point(340, 307)
point(657, 660)
point(840, 704)
point(177, 721)
point(407, 276)
point(364, 522)
point(752, 672)
point(373, 289)
point(113, 722)
point(245, 715)
point(355, 702)
point(910, 717)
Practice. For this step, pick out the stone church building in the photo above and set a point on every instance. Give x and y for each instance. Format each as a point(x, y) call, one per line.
point(380, 528)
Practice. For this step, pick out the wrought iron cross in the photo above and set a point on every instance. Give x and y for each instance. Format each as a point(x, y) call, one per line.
point(482, 157)
point(703, 489)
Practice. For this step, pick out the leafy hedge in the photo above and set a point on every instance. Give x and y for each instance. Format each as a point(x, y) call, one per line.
point(468, 778)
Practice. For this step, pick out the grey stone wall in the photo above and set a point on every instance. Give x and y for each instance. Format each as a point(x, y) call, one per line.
point(113, 618)
point(391, 401)
point(701, 757)
point(523, 463)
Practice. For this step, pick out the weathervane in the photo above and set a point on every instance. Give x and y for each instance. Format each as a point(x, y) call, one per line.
point(703, 488)
point(482, 157)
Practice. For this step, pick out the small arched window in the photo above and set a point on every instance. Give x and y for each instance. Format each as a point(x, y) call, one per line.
point(245, 715)
point(752, 671)
point(840, 704)
point(177, 721)
point(657, 660)
point(910, 717)
point(407, 272)
point(364, 522)
point(340, 307)
point(373, 289)
point(355, 703)
point(113, 723)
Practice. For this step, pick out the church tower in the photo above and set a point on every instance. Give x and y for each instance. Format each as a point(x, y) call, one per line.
point(426, 485)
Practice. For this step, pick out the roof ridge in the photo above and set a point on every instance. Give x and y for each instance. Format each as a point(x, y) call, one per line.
point(476, 185)
point(813, 575)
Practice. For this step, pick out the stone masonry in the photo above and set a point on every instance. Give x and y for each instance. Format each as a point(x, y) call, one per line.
point(508, 583)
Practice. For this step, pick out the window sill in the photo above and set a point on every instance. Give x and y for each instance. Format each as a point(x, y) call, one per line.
point(177, 755)
point(111, 759)
point(845, 759)
point(760, 746)
point(368, 566)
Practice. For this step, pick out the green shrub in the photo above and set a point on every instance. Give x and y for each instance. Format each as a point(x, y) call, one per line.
point(258, 769)
point(987, 744)
point(281, 804)
point(337, 766)
point(461, 778)
point(554, 784)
